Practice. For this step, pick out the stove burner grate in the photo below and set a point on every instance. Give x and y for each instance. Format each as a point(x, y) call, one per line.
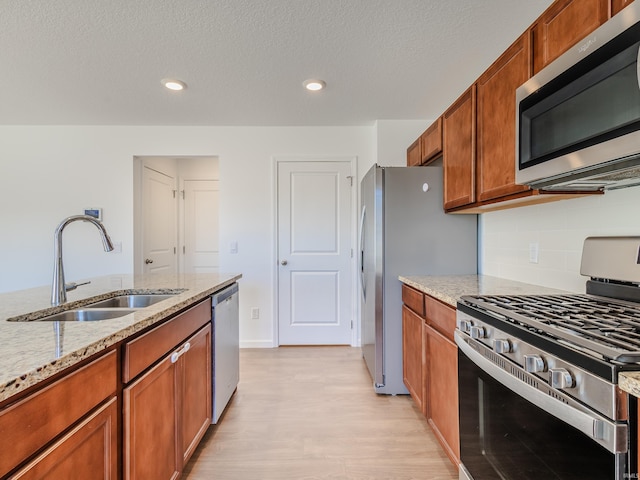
point(610, 328)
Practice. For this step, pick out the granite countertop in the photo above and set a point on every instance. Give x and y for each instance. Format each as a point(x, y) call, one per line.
point(630, 382)
point(32, 351)
point(449, 288)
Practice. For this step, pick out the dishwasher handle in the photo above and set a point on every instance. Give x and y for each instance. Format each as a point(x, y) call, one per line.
point(222, 295)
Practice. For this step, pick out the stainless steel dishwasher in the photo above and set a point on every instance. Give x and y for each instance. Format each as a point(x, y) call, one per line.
point(226, 348)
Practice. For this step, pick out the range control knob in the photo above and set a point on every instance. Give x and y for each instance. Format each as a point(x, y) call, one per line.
point(534, 363)
point(464, 325)
point(501, 345)
point(478, 332)
point(561, 378)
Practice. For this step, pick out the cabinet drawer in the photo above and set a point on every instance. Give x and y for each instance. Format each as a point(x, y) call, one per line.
point(440, 316)
point(88, 452)
point(413, 299)
point(141, 353)
point(40, 417)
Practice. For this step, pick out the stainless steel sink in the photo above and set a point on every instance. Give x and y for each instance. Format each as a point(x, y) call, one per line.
point(129, 301)
point(107, 309)
point(86, 315)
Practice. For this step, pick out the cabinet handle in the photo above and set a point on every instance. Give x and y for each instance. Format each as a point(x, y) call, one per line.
point(178, 353)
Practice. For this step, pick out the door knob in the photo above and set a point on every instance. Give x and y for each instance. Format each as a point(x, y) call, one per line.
point(283, 262)
point(148, 261)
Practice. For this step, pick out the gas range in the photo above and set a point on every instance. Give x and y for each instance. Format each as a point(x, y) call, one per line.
point(571, 346)
point(580, 325)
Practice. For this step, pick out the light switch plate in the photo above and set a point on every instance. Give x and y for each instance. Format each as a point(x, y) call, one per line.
point(534, 252)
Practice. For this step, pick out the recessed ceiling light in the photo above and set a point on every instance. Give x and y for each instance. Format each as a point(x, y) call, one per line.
point(174, 84)
point(314, 85)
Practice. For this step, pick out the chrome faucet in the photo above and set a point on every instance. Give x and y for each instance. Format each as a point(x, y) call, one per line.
point(59, 288)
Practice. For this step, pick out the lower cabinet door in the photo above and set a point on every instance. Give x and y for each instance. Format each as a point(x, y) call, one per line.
point(87, 452)
point(196, 391)
point(412, 356)
point(443, 390)
point(150, 424)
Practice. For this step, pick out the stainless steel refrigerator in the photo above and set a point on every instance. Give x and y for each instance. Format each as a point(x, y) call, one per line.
point(403, 231)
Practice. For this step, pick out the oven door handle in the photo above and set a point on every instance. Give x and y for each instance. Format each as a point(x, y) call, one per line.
point(612, 436)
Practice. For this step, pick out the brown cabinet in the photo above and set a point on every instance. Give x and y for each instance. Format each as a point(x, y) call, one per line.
point(48, 413)
point(427, 147)
point(88, 452)
point(196, 392)
point(430, 364)
point(562, 25)
point(431, 142)
point(496, 129)
point(412, 356)
point(442, 376)
point(459, 151)
point(167, 409)
point(151, 424)
point(414, 155)
point(618, 5)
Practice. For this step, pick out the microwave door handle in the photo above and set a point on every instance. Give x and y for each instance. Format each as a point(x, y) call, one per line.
point(610, 435)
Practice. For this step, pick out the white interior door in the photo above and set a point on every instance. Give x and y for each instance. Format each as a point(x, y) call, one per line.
point(160, 225)
point(314, 253)
point(201, 246)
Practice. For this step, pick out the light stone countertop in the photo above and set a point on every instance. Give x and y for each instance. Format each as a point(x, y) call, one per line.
point(449, 288)
point(630, 382)
point(32, 351)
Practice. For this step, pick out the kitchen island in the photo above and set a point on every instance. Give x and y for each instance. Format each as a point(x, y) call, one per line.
point(127, 396)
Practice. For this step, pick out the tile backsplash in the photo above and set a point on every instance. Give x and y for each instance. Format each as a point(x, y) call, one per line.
point(509, 239)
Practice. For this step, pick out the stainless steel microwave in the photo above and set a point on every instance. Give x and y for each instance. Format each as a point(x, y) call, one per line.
point(578, 119)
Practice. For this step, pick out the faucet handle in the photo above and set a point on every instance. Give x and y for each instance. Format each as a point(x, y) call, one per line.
point(73, 285)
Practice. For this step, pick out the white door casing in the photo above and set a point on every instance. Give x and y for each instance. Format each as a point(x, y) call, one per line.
point(314, 235)
point(159, 217)
point(201, 250)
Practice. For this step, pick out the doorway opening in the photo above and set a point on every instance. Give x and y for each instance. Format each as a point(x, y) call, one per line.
point(176, 211)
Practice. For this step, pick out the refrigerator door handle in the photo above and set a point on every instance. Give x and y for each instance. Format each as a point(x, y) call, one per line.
point(362, 285)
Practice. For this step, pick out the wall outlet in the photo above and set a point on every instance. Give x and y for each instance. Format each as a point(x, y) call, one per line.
point(255, 313)
point(534, 251)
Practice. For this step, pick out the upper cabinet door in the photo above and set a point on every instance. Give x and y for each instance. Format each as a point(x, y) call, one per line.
point(431, 142)
point(564, 24)
point(496, 116)
point(459, 151)
point(617, 5)
point(414, 156)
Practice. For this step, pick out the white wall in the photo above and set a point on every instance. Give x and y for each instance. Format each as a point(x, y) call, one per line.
point(392, 139)
point(50, 172)
point(559, 228)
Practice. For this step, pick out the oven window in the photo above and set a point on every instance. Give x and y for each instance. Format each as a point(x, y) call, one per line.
point(503, 436)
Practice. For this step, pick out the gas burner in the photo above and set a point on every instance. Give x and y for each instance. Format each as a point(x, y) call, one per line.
point(608, 328)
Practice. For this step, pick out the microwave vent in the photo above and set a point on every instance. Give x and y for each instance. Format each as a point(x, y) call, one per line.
point(607, 176)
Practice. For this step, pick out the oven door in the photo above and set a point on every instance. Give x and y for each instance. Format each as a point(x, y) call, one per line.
point(505, 436)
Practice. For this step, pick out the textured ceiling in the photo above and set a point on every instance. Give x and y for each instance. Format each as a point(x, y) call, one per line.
point(91, 62)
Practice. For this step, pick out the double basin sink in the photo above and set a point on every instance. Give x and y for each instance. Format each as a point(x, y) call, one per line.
point(110, 308)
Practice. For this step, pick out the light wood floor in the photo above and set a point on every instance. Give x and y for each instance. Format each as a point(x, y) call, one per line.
point(311, 413)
